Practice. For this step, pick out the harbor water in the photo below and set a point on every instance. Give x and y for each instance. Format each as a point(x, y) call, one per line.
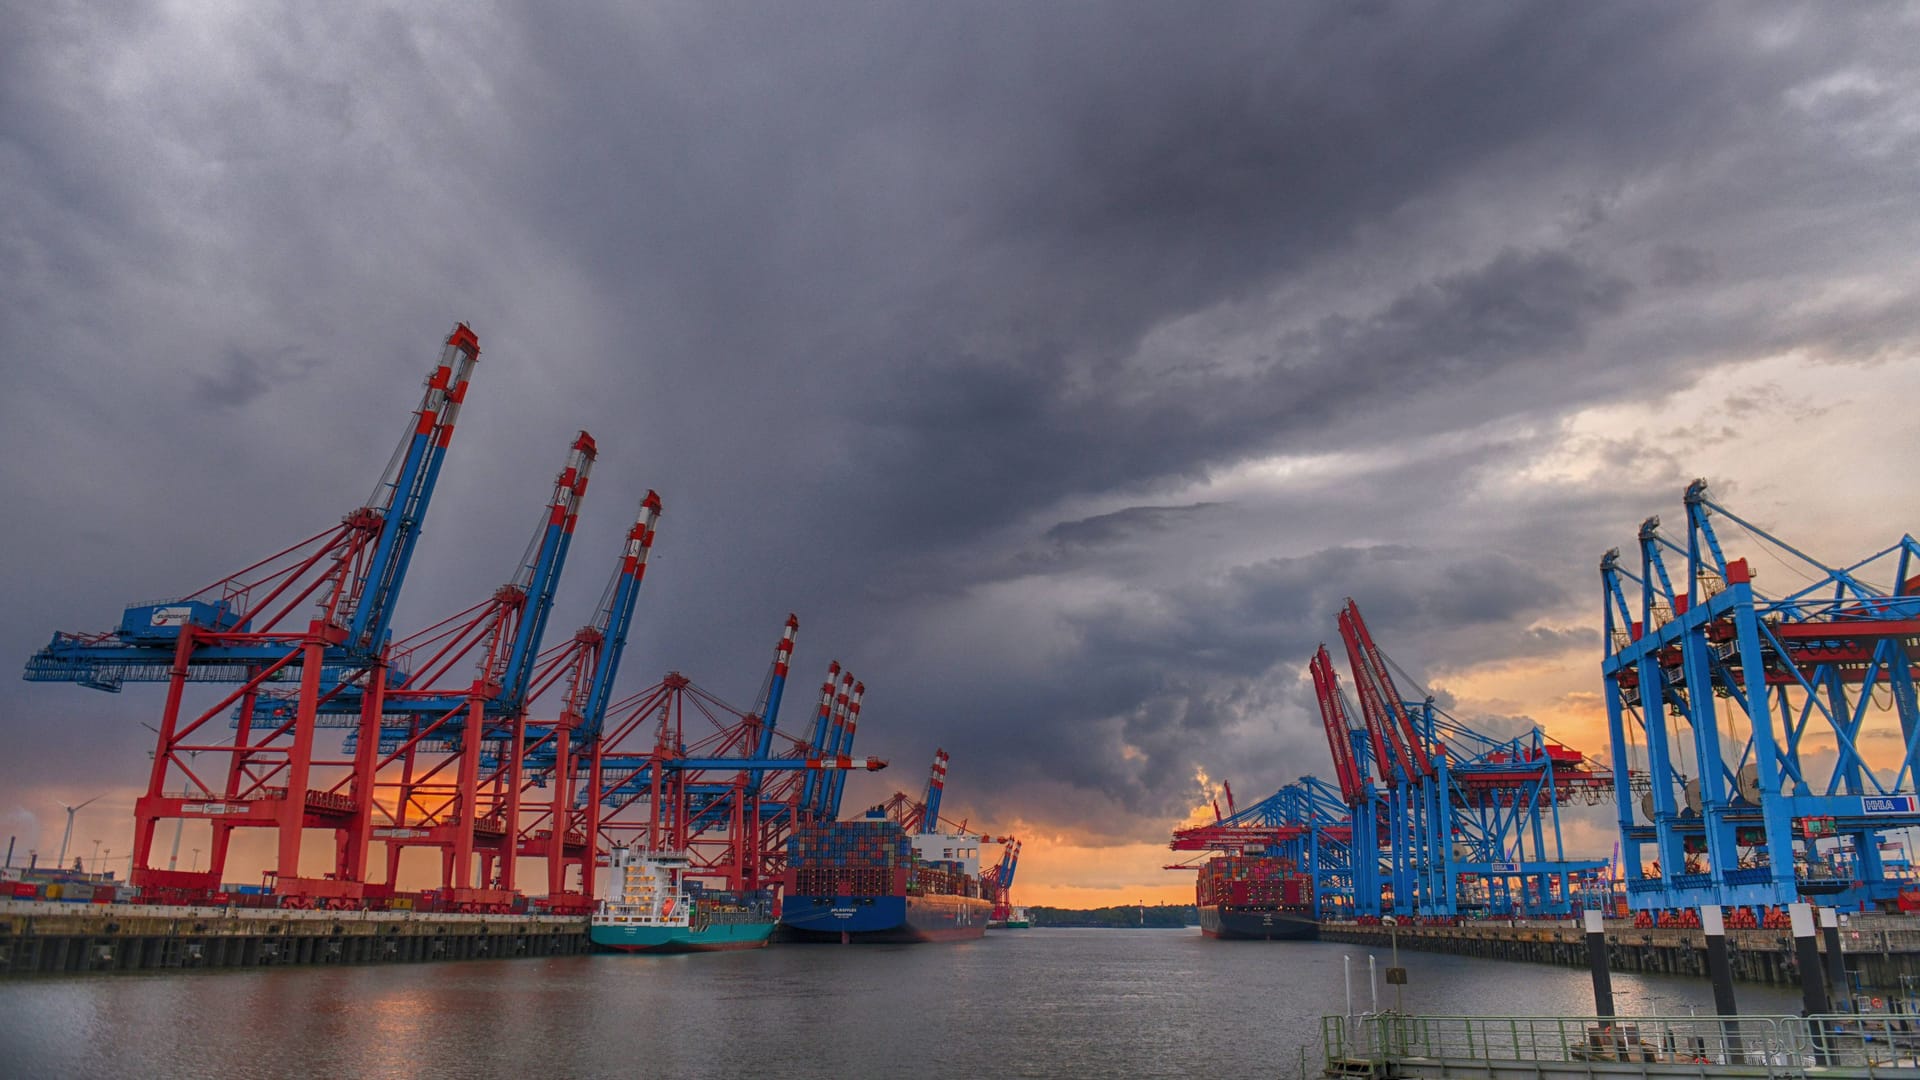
point(1024, 1003)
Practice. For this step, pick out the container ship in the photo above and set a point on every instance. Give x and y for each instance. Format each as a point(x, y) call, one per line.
point(1255, 897)
point(657, 909)
point(869, 880)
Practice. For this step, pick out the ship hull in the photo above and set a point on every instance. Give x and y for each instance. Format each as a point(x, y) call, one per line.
point(1257, 924)
point(718, 937)
point(885, 919)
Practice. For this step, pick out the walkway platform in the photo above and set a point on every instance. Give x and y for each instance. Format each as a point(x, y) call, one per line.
point(1842, 1047)
point(1879, 949)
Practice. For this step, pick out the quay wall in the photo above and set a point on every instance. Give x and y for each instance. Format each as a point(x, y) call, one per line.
point(1878, 949)
point(41, 937)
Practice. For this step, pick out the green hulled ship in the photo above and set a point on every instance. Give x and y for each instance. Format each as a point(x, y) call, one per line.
point(657, 910)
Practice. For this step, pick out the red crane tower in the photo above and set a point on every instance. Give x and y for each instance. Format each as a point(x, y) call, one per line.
point(689, 789)
point(555, 830)
point(315, 613)
point(445, 725)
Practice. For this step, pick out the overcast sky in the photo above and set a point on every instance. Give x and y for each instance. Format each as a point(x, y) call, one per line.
point(1063, 366)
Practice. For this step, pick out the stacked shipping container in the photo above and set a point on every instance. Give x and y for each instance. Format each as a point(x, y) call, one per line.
point(1254, 881)
point(869, 857)
point(869, 880)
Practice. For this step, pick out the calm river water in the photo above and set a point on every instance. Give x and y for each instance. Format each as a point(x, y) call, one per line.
point(1033, 1003)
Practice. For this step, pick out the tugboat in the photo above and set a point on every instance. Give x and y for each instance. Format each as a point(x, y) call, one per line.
point(658, 910)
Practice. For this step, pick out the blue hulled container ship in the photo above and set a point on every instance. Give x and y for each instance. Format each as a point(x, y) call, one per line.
point(869, 880)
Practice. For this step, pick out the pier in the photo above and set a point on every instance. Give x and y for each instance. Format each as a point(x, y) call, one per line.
point(1877, 949)
point(39, 936)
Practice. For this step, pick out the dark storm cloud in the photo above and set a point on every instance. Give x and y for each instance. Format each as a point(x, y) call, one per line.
point(240, 378)
point(1119, 525)
point(1677, 265)
point(1178, 671)
point(1030, 432)
point(934, 324)
point(1214, 676)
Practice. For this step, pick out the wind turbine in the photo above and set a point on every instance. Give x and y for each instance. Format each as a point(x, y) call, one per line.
point(61, 862)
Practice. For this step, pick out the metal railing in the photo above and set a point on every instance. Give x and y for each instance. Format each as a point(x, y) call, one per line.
point(1784, 1046)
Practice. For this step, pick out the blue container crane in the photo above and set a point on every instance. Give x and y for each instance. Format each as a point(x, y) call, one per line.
point(1465, 806)
point(1780, 731)
point(1306, 822)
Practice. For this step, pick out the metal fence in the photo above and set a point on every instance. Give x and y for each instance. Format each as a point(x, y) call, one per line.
point(1786, 1046)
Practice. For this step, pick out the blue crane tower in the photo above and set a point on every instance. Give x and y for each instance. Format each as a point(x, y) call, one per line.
point(1779, 731)
point(316, 612)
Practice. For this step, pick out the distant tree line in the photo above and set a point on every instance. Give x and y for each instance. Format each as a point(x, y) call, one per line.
point(1158, 916)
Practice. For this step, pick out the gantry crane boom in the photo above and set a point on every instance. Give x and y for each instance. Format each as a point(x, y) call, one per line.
point(936, 783)
point(349, 574)
point(1375, 683)
point(817, 744)
point(1333, 715)
point(412, 489)
point(776, 689)
point(822, 806)
point(615, 618)
point(837, 781)
point(543, 572)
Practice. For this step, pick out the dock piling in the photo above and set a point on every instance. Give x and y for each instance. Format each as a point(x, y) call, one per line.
point(1813, 983)
point(1720, 971)
point(1597, 959)
point(1839, 987)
